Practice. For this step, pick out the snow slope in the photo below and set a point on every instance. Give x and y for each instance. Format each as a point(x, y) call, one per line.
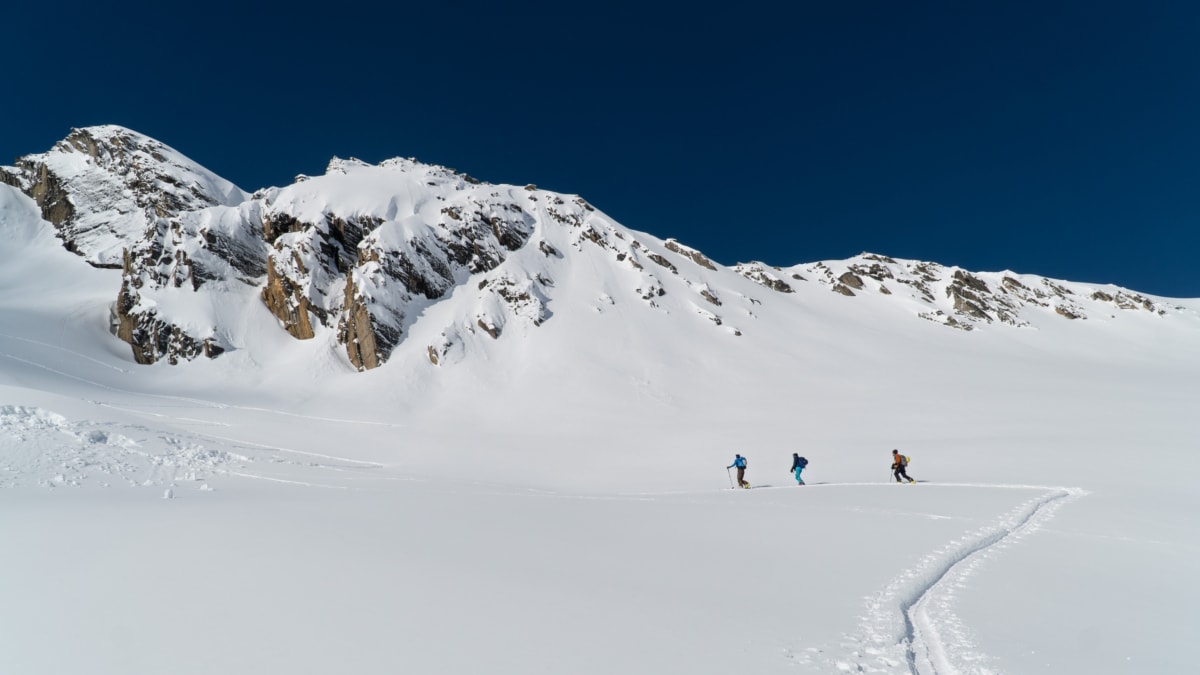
point(558, 502)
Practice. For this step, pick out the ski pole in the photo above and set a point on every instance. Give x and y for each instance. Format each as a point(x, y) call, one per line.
point(730, 476)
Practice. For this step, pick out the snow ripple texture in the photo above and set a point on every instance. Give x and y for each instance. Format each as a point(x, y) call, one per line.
point(43, 448)
point(910, 626)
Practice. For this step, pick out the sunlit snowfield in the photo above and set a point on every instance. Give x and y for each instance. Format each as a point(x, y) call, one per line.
point(561, 504)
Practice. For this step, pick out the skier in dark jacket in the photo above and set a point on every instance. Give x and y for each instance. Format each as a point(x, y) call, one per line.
point(740, 463)
point(798, 464)
point(899, 464)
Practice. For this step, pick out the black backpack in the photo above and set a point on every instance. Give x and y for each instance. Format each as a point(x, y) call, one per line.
point(801, 462)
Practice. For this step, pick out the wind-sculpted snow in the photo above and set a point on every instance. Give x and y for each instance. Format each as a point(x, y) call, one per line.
point(40, 448)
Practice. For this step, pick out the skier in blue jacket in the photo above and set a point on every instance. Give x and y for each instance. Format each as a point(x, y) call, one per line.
point(740, 463)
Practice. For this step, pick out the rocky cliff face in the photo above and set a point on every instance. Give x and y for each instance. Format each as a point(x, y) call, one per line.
point(360, 248)
point(104, 187)
point(358, 255)
point(120, 199)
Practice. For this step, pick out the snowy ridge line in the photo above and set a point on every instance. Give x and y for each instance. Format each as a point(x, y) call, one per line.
point(910, 626)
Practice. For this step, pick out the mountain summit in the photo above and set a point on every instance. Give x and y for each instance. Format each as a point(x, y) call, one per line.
point(103, 186)
point(367, 256)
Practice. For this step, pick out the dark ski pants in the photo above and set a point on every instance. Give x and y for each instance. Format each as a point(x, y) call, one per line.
point(901, 473)
point(742, 476)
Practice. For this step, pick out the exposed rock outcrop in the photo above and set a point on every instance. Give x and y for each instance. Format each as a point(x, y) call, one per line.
point(971, 299)
point(689, 253)
point(289, 304)
point(120, 199)
point(103, 187)
point(759, 273)
point(150, 337)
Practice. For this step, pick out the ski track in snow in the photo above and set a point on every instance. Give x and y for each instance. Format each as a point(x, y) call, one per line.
point(47, 345)
point(910, 626)
point(286, 481)
point(349, 463)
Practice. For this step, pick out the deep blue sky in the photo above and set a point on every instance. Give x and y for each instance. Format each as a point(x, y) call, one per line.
point(1053, 138)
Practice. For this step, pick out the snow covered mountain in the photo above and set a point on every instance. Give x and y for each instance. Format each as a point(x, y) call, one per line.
point(358, 257)
point(452, 427)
